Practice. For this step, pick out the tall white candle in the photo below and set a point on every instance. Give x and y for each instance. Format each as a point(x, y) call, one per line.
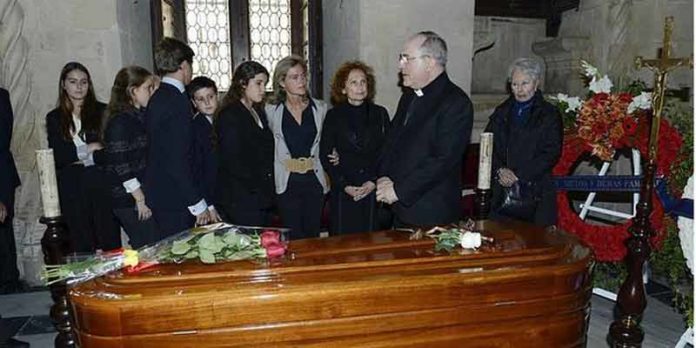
point(49, 182)
point(485, 161)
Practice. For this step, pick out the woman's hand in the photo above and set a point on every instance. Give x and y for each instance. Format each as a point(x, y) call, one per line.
point(333, 157)
point(352, 191)
point(506, 177)
point(91, 147)
point(364, 190)
point(144, 211)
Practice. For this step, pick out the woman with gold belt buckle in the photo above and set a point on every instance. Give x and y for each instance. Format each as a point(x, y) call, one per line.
point(296, 120)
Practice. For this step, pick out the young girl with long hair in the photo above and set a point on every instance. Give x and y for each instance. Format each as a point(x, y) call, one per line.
point(125, 153)
point(245, 149)
point(73, 130)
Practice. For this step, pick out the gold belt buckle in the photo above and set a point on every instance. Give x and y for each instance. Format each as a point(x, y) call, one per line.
point(299, 165)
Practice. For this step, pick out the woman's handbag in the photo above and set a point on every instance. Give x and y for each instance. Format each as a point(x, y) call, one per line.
point(520, 201)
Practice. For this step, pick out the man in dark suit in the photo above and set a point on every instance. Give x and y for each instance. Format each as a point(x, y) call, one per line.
point(172, 193)
point(421, 162)
point(9, 180)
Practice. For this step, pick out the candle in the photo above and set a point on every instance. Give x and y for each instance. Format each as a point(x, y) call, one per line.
point(485, 159)
point(48, 182)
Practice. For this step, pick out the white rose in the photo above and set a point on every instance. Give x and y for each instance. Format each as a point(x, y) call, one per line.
point(470, 240)
point(642, 102)
point(603, 85)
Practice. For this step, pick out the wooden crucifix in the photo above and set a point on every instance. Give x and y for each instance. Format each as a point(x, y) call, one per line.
point(626, 330)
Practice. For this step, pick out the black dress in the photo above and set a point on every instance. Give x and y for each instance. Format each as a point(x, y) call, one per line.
point(357, 133)
point(85, 201)
point(245, 187)
point(531, 150)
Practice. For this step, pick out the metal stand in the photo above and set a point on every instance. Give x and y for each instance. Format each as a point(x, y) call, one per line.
point(482, 204)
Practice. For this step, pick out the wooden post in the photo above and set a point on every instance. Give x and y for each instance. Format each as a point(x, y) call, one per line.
point(55, 244)
point(626, 330)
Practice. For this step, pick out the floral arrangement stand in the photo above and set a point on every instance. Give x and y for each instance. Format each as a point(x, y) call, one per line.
point(526, 287)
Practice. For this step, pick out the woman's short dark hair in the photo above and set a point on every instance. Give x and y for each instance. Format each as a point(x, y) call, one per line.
point(89, 117)
point(338, 82)
point(170, 53)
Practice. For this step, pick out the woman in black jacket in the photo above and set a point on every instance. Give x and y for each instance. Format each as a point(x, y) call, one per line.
point(355, 129)
point(74, 129)
point(527, 141)
point(244, 143)
point(125, 153)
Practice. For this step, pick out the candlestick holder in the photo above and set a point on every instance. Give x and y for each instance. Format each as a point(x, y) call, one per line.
point(55, 245)
point(482, 204)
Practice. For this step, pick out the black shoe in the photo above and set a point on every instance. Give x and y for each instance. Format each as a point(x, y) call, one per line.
point(13, 343)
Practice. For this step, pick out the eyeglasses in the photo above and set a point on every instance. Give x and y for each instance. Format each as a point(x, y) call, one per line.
point(405, 58)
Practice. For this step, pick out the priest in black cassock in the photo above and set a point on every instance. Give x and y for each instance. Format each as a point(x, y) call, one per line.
point(420, 166)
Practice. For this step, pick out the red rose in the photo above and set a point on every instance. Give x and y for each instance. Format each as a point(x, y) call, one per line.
point(625, 97)
point(274, 250)
point(269, 237)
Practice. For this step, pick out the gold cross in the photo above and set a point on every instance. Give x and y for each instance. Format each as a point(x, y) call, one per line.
point(661, 66)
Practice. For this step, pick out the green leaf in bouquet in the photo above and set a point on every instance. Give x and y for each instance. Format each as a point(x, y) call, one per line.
point(207, 241)
point(240, 255)
point(192, 254)
point(206, 256)
point(180, 247)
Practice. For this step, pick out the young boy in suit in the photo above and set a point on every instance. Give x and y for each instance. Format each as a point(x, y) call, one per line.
point(203, 93)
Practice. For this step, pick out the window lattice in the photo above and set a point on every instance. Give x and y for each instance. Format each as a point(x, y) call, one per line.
point(269, 28)
point(207, 31)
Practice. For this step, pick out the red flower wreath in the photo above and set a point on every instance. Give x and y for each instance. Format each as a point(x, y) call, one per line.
point(608, 242)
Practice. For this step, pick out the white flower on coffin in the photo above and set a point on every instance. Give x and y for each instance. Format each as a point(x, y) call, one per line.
point(590, 71)
point(642, 102)
point(573, 103)
point(686, 228)
point(603, 85)
point(470, 240)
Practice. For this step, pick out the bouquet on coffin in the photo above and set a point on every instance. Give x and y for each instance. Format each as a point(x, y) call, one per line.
point(457, 235)
point(207, 244)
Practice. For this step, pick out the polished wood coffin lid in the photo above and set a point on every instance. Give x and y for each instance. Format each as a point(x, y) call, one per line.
point(353, 289)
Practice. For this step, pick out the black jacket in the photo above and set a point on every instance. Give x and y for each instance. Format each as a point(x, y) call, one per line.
point(9, 179)
point(65, 151)
point(169, 171)
point(124, 155)
point(358, 143)
point(424, 157)
point(205, 167)
point(245, 157)
point(532, 151)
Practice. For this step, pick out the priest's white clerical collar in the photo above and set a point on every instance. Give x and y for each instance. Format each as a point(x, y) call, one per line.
point(419, 92)
point(174, 82)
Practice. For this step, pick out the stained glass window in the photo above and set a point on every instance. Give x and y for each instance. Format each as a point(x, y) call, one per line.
point(207, 32)
point(270, 31)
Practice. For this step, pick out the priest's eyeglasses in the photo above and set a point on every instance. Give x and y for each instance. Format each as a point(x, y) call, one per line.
point(405, 58)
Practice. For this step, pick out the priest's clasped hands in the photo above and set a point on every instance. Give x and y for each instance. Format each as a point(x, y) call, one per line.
point(360, 192)
point(385, 190)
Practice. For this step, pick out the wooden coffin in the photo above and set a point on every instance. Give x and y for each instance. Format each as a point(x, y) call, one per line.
point(530, 288)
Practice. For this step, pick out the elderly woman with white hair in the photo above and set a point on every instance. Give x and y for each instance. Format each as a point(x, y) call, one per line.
point(528, 136)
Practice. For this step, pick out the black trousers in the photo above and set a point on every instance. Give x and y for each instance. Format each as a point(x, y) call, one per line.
point(140, 233)
point(85, 203)
point(9, 275)
point(300, 206)
point(171, 222)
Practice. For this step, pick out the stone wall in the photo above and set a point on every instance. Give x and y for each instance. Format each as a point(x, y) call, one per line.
point(37, 37)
